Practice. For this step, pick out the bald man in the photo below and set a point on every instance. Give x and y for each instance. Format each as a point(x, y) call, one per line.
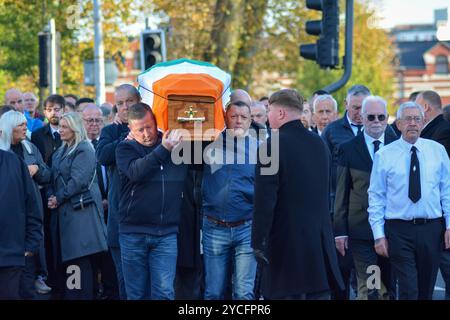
point(241, 95)
point(14, 97)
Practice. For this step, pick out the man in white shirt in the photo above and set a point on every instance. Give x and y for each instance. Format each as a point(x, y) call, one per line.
point(409, 190)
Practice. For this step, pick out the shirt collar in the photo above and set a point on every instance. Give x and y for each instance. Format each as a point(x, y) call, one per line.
point(406, 145)
point(370, 140)
point(350, 121)
point(53, 130)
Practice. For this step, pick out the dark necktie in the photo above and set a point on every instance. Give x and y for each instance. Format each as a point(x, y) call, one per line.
point(376, 146)
point(94, 143)
point(414, 192)
point(57, 136)
point(359, 126)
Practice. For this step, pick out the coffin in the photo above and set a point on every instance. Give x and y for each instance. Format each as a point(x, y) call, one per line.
point(187, 94)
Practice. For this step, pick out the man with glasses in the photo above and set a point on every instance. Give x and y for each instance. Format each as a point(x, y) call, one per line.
point(93, 123)
point(126, 95)
point(351, 226)
point(409, 194)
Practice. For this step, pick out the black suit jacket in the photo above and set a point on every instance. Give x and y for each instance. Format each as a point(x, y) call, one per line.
point(353, 179)
point(438, 130)
point(291, 221)
point(43, 139)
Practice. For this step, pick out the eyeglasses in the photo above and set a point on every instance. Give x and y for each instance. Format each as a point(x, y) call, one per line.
point(410, 119)
point(93, 120)
point(16, 102)
point(371, 117)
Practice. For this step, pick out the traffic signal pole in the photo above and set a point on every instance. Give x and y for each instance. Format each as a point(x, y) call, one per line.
point(348, 57)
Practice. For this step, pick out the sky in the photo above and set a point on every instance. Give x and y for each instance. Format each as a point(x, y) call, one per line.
point(395, 12)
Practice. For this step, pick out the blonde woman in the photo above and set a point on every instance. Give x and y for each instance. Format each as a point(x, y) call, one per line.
point(79, 230)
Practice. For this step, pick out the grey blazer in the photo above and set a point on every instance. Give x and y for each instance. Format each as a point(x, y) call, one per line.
point(31, 155)
point(81, 232)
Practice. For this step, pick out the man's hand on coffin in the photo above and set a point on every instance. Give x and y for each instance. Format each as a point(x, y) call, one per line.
point(171, 139)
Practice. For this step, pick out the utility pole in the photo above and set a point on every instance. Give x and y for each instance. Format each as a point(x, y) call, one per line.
point(99, 61)
point(52, 29)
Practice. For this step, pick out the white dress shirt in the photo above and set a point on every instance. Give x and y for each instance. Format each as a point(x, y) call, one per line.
point(353, 126)
point(369, 143)
point(389, 183)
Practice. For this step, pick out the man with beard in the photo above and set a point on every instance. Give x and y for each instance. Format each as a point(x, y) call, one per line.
point(47, 140)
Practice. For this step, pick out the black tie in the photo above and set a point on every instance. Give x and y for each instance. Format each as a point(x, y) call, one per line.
point(57, 136)
point(359, 126)
point(376, 147)
point(95, 143)
point(414, 177)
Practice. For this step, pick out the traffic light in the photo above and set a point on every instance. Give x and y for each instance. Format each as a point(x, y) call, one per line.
point(44, 59)
point(326, 50)
point(153, 48)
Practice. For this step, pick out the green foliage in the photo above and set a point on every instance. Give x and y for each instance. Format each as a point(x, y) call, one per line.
point(257, 41)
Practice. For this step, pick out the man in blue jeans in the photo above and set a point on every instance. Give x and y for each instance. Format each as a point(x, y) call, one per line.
point(227, 207)
point(149, 207)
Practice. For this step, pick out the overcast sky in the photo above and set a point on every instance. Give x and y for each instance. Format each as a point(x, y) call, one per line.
point(397, 12)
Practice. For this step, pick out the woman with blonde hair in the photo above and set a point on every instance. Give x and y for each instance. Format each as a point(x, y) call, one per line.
point(77, 224)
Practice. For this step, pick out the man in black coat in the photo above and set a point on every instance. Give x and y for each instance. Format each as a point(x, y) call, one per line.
point(437, 129)
point(48, 140)
point(337, 132)
point(125, 95)
point(20, 222)
point(351, 225)
point(292, 234)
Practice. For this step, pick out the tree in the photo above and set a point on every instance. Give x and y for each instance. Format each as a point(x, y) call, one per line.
point(373, 60)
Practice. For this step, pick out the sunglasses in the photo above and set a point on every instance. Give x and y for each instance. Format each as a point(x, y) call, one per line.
point(371, 117)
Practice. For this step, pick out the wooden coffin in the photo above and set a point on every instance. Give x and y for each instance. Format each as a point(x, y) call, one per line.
point(187, 112)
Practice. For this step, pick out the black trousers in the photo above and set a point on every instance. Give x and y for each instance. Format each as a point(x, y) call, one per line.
point(10, 283)
point(104, 265)
point(27, 288)
point(345, 266)
point(364, 255)
point(415, 253)
point(85, 289)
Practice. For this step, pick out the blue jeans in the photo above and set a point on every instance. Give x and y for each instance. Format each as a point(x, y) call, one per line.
point(117, 259)
point(149, 265)
point(221, 246)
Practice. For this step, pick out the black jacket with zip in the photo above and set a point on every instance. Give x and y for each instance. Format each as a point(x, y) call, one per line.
point(152, 189)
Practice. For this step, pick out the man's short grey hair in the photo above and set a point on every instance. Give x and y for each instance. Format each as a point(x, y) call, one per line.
point(409, 105)
point(432, 97)
point(131, 89)
point(356, 91)
point(323, 98)
point(256, 104)
point(372, 99)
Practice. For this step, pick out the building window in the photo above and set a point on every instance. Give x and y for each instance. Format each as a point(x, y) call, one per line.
point(441, 65)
